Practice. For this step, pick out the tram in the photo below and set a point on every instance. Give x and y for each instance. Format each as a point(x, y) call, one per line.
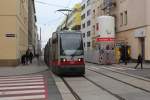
point(64, 53)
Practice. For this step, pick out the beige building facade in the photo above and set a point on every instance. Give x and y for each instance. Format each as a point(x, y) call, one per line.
point(13, 31)
point(132, 20)
point(133, 25)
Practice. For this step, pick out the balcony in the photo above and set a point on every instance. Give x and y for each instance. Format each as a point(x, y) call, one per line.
point(108, 3)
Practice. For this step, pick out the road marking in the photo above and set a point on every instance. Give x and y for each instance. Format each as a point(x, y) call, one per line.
point(94, 68)
point(21, 92)
point(21, 84)
point(32, 97)
point(23, 88)
point(8, 79)
point(21, 81)
point(123, 68)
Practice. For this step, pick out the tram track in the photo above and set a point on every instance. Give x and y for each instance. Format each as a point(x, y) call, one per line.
point(115, 95)
point(77, 97)
point(124, 73)
point(137, 87)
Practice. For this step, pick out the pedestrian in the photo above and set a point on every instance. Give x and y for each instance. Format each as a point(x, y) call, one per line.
point(125, 54)
point(27, 56)
point(23, 59)
point(139, 61)
point(30, 57)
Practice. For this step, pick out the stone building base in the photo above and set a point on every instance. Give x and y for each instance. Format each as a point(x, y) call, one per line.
point(10, 62)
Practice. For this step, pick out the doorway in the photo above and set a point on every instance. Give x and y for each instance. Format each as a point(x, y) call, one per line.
point(142, 47)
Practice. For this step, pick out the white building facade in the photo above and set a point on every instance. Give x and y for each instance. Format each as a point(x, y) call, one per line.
point(86, 26)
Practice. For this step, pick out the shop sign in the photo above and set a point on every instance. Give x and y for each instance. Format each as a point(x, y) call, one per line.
point(105, 39)
point(139, 33)
point(10, 35)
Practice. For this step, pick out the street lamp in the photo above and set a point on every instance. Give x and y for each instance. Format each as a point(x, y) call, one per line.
point(66, 14)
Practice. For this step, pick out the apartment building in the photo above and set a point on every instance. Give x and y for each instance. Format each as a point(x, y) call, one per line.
point(32, 29)
point(132, 24)
point(95, 12)
point(15, 35)
point(13, 30)
point(86, 25)
point(73, 19)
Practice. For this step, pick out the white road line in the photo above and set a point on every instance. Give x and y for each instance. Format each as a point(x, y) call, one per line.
point(21, 87)
point(21, 92)
point(11, 79)
point(15, 84)
point(32, 97)
point(22, 81)
point(123, 68)
point(23, 76)
point(109, 68)
point(94, 67)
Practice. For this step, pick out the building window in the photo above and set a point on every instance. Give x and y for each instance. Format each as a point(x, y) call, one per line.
point(88, 33)
point(83, 25)
point(88, 44)
point(93, 13)
point(83, 7)
point(88, 23)
point(83, 16)
point(88, 2)
point(88, 12)
point(97, 26)
point(84, 44)
point(125, 18)
point(94, 29)
point(98, 10)
point(121, 19)
point(83, 35)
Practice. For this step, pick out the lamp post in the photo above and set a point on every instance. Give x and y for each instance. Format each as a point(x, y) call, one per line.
point(66, 14)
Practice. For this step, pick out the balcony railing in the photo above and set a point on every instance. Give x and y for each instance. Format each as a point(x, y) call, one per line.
point(108, 4)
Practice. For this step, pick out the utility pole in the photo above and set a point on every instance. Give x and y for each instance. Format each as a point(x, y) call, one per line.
point(40, 42)
point(67, 16)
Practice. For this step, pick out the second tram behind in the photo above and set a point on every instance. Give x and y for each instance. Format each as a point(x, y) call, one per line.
point(64, 53)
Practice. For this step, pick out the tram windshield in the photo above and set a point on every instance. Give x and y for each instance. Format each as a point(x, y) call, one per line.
point(71, 44)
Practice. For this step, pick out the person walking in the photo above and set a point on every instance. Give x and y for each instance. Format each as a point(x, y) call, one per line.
point(30, 57)
point(23, 59)
point(27, 56)
point(139, 61)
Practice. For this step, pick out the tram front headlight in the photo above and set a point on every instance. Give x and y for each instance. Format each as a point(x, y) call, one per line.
point(63, 59)
point(80, 59)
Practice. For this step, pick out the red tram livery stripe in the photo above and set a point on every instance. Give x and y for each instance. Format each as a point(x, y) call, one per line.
point(67, 63)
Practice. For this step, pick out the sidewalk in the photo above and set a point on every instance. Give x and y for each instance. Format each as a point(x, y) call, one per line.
point(35, 67)
point(132, 65)
point(145, 72)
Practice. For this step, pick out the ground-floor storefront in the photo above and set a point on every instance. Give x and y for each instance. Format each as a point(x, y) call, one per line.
point(137, 40)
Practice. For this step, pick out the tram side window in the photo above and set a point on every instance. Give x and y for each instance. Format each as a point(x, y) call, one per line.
point(55, 48)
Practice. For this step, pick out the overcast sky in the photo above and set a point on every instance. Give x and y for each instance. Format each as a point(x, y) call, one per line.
point(47, 16)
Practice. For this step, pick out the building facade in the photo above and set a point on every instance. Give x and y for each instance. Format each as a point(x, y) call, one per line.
point(13, 30)
point(32, 30)
point(18, 30)
point(86, 26)
point(132, 25)
point(73, 19)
